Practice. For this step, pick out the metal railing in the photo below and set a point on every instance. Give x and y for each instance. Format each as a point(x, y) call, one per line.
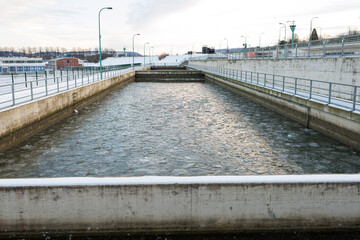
point(345, 46)
point(22, 88)
point(335, 94)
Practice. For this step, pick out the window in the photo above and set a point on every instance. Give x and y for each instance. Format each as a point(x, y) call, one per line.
point(33, 69)
point(0, 70)
point(27, 69)
point(40, 68)
point(68, 61)
point(12, 69)
point(19, 69)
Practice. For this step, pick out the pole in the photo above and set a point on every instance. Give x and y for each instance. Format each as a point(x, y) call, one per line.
point(133, 39)
point(100, 40)
point(144, 52)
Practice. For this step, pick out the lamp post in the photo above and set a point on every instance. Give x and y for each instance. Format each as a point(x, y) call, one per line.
point(227, 45)
point(134, 48)
point(100, 39)
point(150, 54)
point(310, 38)
point(260, 39)
point(284, 38)
point(245, 44)
point(144, 52)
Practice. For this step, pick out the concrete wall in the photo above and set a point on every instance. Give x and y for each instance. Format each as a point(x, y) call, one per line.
point(345, 70)
point(179, 204)
point(340, 124)
point(21, 122)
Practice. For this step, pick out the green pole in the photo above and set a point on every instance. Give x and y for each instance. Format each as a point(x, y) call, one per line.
point(292, 27)
point(100, 39)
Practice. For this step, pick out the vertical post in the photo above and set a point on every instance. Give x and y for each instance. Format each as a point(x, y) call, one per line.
point(61, 75)
point(342, 46)
point(54, 75)
point(283, 84)
point(265, 80)
point(330, 86)
point(25, 80)
point(31, 91)
point(36, 76)
point(309, 48)
point(311, 84)
point(296, 80)
point(296, 50)
point(46, 88)
point(273, 82)
point(67, 79)
point(354, 98)
point(257, 78)
point(82, 76)
point(324, 48)
point(57, 83)
point(13, 88)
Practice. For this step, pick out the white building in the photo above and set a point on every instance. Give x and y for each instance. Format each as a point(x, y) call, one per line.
point(21, 65)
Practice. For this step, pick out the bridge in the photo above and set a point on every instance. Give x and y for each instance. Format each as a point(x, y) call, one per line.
point(183, 204)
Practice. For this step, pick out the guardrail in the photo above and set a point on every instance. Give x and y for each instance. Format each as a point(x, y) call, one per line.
point(19, 89)
point(345, 46)
point(335, 94)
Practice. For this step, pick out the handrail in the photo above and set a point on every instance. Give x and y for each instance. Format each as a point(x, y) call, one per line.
point(21, 89)
point(338, 95)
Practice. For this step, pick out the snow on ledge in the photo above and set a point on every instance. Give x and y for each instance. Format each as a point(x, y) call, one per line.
point(159, 180)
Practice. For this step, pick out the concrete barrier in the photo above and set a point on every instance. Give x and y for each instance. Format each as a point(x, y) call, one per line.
point(179, 204)
point(21, 122)
point(344, 70)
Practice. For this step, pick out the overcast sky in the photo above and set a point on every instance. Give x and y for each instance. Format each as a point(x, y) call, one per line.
point(168, 25)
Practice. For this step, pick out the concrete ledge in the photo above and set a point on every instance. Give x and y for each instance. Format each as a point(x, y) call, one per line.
point(21, 122)
point(340, 124)
point(179, 204)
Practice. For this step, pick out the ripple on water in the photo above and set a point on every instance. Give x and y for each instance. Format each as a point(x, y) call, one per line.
point(176, 129)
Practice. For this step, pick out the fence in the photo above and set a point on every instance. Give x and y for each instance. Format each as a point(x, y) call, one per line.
point(345, 46)
point(19, 89)
point(338, 95)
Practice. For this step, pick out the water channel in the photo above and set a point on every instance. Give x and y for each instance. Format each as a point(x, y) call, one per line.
point(178, 129)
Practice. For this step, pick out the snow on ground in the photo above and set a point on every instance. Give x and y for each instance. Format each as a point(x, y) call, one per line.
point(160, 180)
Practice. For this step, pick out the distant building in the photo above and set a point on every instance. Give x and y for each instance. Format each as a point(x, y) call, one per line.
point(64, 63)
point(21, 65)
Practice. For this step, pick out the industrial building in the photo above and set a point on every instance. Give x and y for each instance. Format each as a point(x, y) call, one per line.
point(64, 63)
point(21, 65)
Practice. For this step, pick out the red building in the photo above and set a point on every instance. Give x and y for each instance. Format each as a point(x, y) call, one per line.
point(64, 63)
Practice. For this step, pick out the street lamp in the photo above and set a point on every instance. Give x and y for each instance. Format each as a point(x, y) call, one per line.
point(245, 44)
point(134, 48)
point(100, 40)
point(260, 39)
point(311, 27)
point(150, 54)
point(144, 52)
point(227, 45)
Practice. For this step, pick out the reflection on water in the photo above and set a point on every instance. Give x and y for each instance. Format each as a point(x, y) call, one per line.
point(176, 129)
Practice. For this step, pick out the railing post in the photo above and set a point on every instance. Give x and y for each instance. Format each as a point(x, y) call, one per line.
point(296, 80)
point(354, 98)
point(265, 80)
point(324, 52)
point(273, 83)
point(296, 50)
point(31, 91)
point(67, 79)
point(61, 75)
point(311, 84)
point(342, 46)
point(13, 88)
point(330, 86)
point(36, 76)
point(257, 78)
point(25, 80)
point(283, 84)
point(309, 49)
point(82, 76)
point(46, 88)
point(57, 83)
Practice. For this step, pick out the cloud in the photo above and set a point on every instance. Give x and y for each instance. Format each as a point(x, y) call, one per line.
point(143, 11)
